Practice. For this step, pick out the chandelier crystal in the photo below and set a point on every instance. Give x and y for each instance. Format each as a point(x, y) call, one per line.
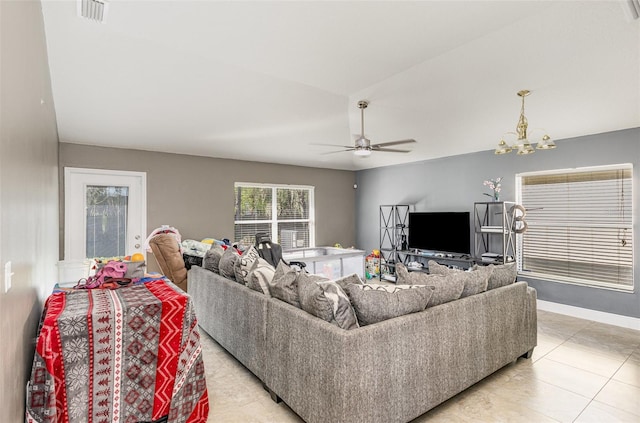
point(523, 144)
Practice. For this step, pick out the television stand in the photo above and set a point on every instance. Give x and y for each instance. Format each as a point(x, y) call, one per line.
point(463, 261)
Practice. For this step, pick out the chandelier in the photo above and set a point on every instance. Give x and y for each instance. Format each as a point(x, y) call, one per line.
point(523, 143)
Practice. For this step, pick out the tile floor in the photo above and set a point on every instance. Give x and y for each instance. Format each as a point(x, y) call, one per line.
point(581, 371)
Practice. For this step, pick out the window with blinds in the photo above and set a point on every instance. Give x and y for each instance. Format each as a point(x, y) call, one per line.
point(579, 226)
point(285, 212)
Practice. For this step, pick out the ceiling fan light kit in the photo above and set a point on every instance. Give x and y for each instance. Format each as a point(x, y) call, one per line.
point(523, 145)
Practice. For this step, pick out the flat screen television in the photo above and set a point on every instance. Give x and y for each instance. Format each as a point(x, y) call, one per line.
point(447, 232)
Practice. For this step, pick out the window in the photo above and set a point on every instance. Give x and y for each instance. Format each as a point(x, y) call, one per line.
point(579, 226)
point(285, 212)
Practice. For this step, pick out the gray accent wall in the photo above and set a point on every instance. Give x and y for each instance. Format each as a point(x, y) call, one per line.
point(28, 194)
point(196, 194)
point(455, 183)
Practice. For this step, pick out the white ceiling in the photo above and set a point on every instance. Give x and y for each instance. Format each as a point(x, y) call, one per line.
point(267, 81)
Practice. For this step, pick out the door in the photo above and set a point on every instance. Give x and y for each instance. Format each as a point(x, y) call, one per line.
point(105, 213)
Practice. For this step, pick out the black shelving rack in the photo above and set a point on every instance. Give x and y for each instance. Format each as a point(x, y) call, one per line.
point(394, 232)
point(494, 224)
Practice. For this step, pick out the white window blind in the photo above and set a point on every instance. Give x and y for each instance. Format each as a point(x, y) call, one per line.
point(579, 226)
point(285, 212)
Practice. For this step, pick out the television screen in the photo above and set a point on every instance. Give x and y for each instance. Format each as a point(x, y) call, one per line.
point(447, 232)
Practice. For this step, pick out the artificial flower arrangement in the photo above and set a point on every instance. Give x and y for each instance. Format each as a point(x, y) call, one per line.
point(495, 186)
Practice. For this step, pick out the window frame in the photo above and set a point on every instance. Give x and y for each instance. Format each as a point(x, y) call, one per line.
point(274, 221)
point(568, 279)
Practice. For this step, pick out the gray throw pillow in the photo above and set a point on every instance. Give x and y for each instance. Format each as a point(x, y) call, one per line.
point(445, 288)
point(261, 276)
point(326, 300)
point(211, 260)
point(375, 303)
point(227, 263)
point(502, 275)
point(474, 282)
point(346, 280)
point(284, 285)
point(312, 298)
point(344, 316)
point(245, 264)
point(436, 268)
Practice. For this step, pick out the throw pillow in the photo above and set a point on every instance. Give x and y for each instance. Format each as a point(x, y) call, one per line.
point(261, 276)
point(245, 264)
point(312, 298)
point(211, 260)
point(502, 275)
point(344, 316)
point(436, 268)
point(284, 285)
point(227, 263)
point(439, 269)
point(375, 303)
point(474, 282)
point(445, 288)
point(346, 280)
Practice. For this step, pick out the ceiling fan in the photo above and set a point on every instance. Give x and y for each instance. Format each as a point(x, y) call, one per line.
point(363, 146)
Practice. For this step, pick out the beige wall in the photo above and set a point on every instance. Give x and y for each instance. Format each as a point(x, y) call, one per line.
point(28, 194)
point(195, 194)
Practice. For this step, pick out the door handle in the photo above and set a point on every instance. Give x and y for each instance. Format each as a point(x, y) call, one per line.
point(137, 245)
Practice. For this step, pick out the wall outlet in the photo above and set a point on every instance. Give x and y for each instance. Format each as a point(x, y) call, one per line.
point(7, 276)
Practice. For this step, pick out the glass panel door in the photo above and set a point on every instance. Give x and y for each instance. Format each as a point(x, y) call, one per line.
point(105, 213)
point(107, 208)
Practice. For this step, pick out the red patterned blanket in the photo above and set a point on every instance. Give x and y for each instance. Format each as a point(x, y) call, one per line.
point(126, 355)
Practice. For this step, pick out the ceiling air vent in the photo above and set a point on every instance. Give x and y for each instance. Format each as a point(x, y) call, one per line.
point(96, 10)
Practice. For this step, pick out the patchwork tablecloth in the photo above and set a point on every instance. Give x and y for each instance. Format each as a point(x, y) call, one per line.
point(126, 355)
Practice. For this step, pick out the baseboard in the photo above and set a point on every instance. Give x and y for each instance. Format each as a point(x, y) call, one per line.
point(585, 313)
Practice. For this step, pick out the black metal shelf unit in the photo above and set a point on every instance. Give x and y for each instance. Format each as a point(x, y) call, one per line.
point(394, 233)
point(494, 232)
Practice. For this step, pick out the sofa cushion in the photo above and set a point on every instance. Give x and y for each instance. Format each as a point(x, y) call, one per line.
point(473, 279)
point(227, 263)
point(284, 285)
point(326, 300)
point(445, 288)
point(261, 276)
point(436, 268)
point(312, 298)
point(374, 303)
point(245, 264)
point(211, 260)
point(344, 315)
point(346, 280)
point(502, 275)
point(474, 282)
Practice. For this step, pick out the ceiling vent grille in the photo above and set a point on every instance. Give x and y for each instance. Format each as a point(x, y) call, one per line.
point(631, 9)
point(95, 10)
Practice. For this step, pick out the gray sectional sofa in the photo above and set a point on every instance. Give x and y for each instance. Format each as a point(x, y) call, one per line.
point(390, 371)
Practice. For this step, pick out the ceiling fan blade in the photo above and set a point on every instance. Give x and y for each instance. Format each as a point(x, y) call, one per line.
point(338, 151)
point(388, 144)
point(389, 150)
point(333, 145)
